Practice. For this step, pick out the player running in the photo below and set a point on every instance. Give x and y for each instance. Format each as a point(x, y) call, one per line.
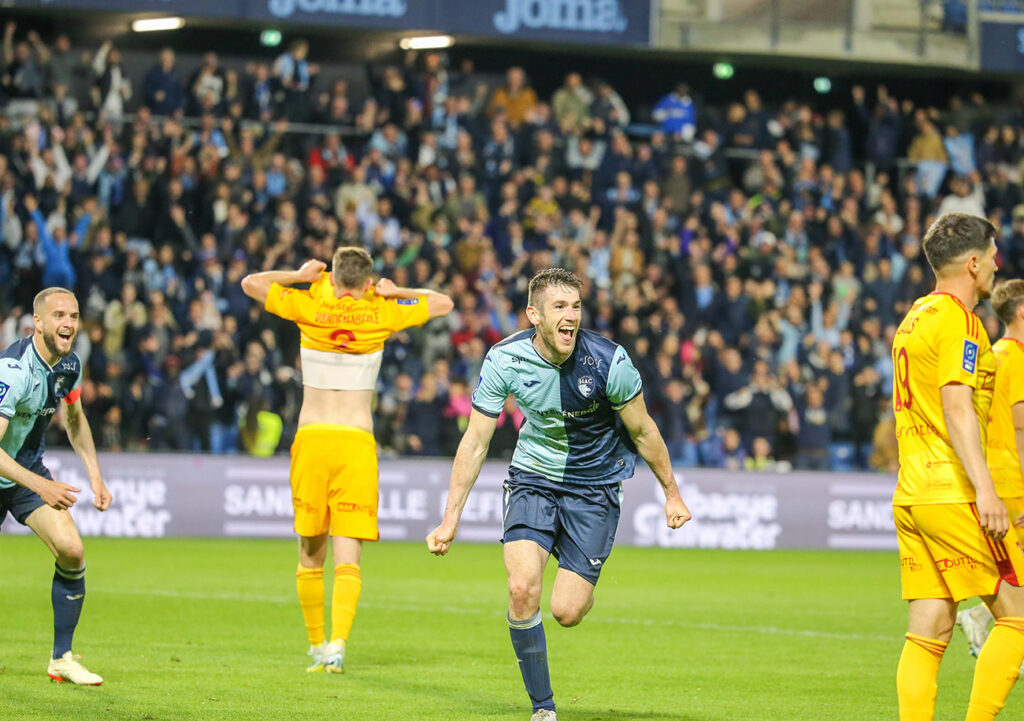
point(1005, 434)
point(950, 523)
point(36, 373)
point(585, 422)
point(344, 321)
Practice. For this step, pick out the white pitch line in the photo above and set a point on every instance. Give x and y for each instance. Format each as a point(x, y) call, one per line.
point(728, 628)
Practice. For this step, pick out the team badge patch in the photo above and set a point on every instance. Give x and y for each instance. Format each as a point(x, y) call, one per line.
point(970, 355)
point(585, 385)
point(3, 391)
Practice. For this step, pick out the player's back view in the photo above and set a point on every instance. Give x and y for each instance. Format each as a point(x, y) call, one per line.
point(343, 320)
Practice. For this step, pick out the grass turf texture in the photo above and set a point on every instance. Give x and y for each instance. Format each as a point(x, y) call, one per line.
point(210, 629)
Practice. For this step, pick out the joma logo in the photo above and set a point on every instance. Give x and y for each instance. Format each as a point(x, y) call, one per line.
point(596, 16)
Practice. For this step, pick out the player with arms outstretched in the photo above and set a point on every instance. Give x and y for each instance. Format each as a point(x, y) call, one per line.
point(950, 523)
point(585, 421)
point(36, 374)
point(344, 321)
point(1005, 434)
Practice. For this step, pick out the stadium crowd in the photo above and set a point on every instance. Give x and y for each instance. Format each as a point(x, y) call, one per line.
point(753, 258)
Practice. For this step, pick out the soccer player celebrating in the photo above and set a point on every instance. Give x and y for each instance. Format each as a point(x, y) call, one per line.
point(585, 422)
point(1005, 433)
point(36, 373)
point(950, 523)
point(344, 321)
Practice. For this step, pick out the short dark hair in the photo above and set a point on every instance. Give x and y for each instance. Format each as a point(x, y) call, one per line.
point(1007, 298)
point(351, 267)
point(954, 234)
point(552, 277)
point(41, 296)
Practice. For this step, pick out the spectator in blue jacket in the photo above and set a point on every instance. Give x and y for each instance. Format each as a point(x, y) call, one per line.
point(162, 89)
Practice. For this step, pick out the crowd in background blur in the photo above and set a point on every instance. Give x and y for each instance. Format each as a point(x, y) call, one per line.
point(753, 258)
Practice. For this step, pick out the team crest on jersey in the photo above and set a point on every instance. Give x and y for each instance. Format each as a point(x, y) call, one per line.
point(970, 355)
point(585, 385)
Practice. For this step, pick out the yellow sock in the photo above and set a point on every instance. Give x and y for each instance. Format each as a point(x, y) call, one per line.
point(310, 584)
point(916, 677)
point(997, 669)
point(348, 583)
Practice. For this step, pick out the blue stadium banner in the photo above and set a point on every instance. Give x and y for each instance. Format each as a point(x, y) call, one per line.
point(1002, 46)
point(611, 22)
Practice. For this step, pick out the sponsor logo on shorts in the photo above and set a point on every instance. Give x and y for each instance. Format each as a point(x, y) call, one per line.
point(301, 505)
point(910, 564)
point(970, 355)
point(595, 562)
point(948, 564)
point(346, 507)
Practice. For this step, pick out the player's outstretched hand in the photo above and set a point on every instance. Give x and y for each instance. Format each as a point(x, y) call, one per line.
point(58, 495)
point(440, 539)
point(992, 516)
point(101, 497)
point(676, 512)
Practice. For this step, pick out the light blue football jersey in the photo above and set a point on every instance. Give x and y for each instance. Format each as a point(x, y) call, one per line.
point(572, 432)
point(29, 393)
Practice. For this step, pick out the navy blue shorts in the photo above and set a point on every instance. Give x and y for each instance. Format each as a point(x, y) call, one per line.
point(574, 523)
point(20, 501)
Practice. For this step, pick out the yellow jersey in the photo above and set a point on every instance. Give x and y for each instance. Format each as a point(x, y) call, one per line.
point(939, 342)
point(347, 324)
point(1002, 455)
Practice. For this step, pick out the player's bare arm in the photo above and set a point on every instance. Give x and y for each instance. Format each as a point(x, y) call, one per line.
point(80, 436)
point(651, 446)
point(438, 304)
point(469, 458)
point(54, 493)
point(965, 437)
point(257, 285)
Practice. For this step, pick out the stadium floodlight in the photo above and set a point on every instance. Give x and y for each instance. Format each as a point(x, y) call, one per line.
point(149, 25)
point(427, 42)
point(822, 84)
point(723, 71)
point(270, 38)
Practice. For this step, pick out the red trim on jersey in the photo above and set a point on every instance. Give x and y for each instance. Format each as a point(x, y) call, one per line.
point(73, 395)
point(972, 320)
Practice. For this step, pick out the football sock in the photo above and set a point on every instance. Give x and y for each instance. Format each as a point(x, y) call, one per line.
point(348, 583)
point(531, 649)
point(310, 584)
point(916, 677)
point(997, 669)
point(67, 595)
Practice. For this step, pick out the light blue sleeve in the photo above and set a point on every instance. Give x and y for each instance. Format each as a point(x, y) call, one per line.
point(492, 388)
point(624, 382)
point(14, 381)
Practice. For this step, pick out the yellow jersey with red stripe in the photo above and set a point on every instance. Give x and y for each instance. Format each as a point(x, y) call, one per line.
point(939, 342)
point(1003, 457)
point(347, 324)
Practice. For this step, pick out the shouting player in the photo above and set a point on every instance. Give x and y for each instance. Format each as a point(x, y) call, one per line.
point(36, 373)
point(1005, 433)
point(585, 422)
point(950, 523)
point(344, 322)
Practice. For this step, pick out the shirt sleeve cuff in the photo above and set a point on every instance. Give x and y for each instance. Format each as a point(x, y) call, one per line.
point(489, 414)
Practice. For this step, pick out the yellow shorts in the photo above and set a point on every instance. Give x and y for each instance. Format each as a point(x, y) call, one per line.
point(334, 481)
point(1015, 507)
point(945, 554)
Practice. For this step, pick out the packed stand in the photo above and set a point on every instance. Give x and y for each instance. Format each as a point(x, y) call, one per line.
point(754, 259)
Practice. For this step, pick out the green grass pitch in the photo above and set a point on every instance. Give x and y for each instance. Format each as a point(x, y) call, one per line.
point(210, 629)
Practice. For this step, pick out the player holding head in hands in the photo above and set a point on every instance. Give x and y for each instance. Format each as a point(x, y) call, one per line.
point(585, 422)
point(36, 374)
point(950, 523)
point(344, 321)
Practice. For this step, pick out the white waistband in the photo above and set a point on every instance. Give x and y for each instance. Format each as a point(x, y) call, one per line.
point(340, 371)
